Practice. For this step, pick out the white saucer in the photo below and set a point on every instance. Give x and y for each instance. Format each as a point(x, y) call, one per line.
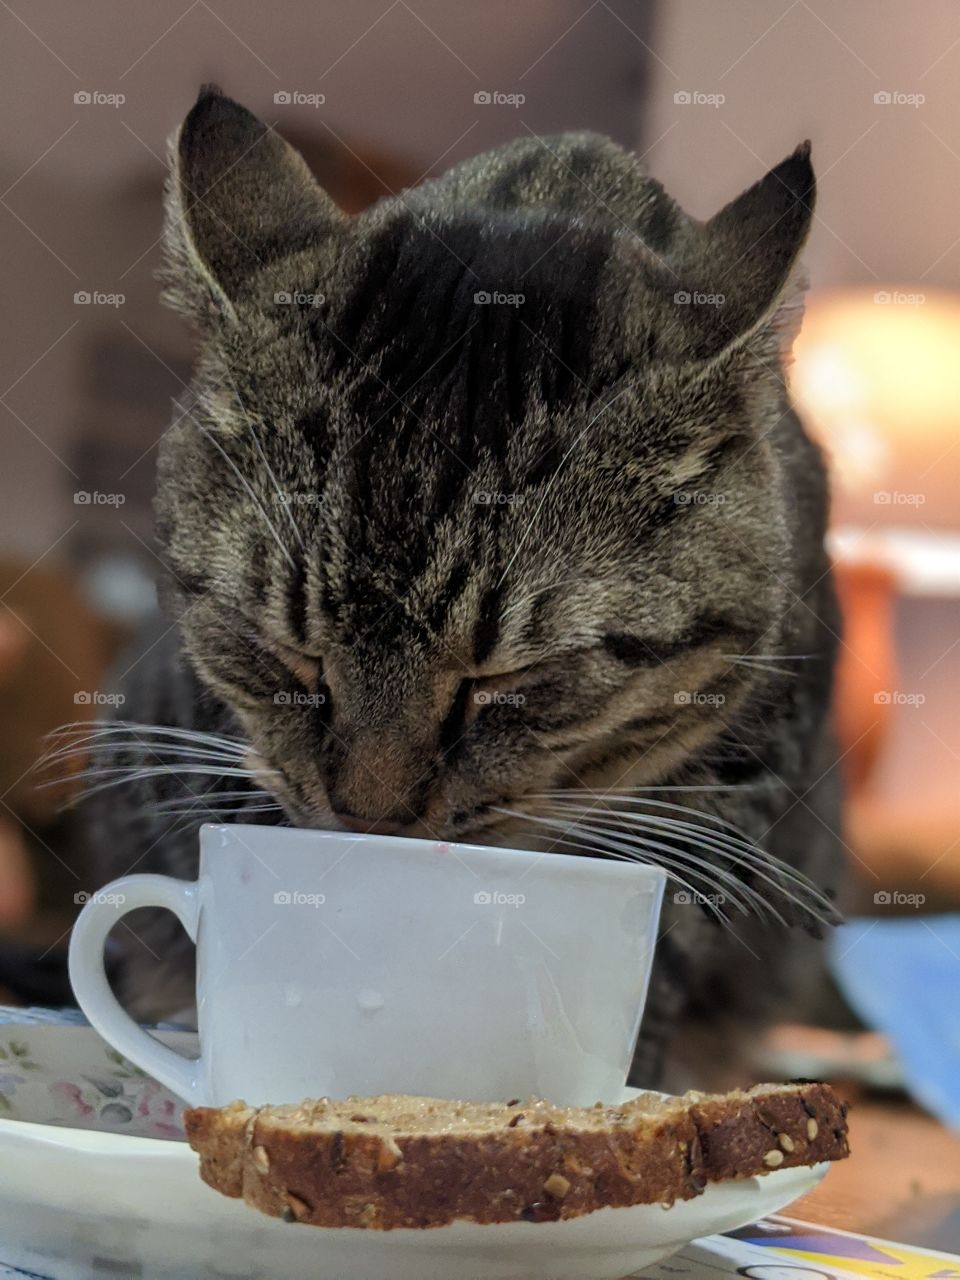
point(76, 1204)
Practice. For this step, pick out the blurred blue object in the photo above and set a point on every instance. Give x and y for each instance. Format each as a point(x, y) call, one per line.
point(903, 978)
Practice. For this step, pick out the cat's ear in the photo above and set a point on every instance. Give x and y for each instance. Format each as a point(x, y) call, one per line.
point(238, 198)
point(738, 273)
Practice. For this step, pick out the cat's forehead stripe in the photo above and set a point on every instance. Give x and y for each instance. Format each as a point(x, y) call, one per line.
point(466, 322)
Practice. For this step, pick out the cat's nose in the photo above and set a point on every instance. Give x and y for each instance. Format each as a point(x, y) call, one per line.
point(367, 826)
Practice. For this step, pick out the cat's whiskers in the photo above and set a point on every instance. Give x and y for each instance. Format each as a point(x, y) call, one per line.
point(642, 828)
point(600, 818)
point(672, 861)
point(643, 790)
point(730, 836)
point(632, 797)
point(156, 751)
point(700, 837)
point(215, 804)
point(625, 832)
point(251, 424)
point(138, 773)
point(774, 657)
point(219, 799)
point(79, 739)
point(249, 488)
point(763, 662)
point(161, 752)
point(187, 820)
point(95, 730)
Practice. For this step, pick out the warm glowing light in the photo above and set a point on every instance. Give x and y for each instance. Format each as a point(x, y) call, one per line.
point(876, 376)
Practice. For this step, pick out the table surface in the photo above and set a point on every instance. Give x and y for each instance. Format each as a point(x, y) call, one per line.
point(901, 1182)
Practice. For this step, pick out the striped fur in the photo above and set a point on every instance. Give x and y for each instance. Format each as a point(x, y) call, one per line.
point(488, 550)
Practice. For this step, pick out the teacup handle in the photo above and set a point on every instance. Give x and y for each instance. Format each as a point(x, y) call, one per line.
point(89, 979)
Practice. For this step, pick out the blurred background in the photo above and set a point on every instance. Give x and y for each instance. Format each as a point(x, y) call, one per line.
point(378, 95)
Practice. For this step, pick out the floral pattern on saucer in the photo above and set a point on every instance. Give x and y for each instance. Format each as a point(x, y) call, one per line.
point(63, 1073)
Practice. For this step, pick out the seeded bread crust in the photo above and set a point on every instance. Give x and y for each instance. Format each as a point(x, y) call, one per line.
point(412, 1162)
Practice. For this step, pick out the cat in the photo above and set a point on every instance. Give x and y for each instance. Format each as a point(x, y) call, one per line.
point(487, 518)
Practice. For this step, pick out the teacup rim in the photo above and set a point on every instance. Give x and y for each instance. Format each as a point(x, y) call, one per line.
point(606, 867)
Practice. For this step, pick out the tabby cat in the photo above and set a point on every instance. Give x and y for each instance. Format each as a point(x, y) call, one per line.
point(486, 518)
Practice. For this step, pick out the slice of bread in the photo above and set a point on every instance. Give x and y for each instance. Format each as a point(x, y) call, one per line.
point(399, 1161)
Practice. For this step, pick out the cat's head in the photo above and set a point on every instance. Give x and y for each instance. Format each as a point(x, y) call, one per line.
point(474, 494)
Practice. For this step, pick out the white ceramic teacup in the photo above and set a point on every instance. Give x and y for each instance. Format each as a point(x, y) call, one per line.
point(337, 964)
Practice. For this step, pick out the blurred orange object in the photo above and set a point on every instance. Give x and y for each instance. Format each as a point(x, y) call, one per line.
point(54, 650)
point(18, 886)
point(866, 667)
